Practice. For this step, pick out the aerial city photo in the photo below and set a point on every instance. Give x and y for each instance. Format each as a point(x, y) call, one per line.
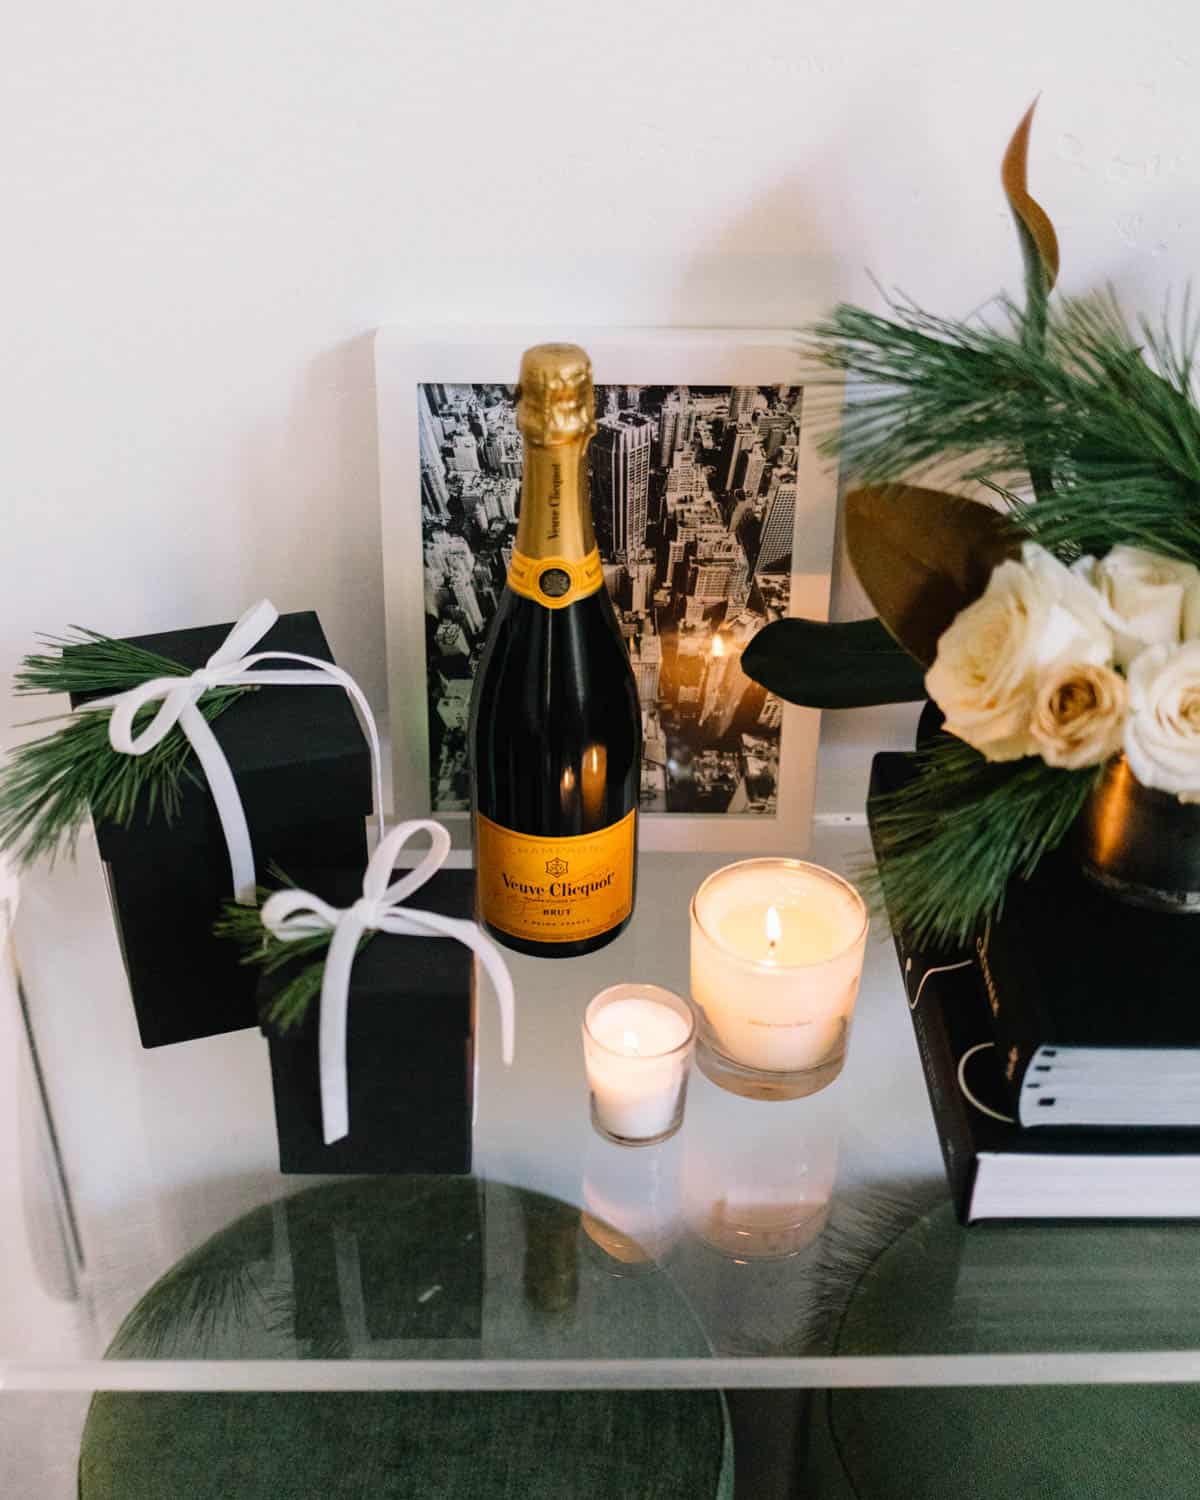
point(694, 499)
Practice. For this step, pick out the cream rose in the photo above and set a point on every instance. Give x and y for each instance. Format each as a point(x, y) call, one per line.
point(1156, 599)
point(1162, 733)
point(1033, 614)
point(1078, 715)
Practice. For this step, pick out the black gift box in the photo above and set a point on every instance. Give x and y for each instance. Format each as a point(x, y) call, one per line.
point(410, 1045)
point(303, 771)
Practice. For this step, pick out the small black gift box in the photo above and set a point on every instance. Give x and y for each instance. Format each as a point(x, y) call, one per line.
point(410, 1045)
point(302, 768)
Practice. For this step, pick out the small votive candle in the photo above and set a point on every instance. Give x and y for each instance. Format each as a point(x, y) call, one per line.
point(777, 950)
point(637, 1044)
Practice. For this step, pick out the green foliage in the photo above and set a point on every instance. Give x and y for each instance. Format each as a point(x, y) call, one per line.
point(950, 841)
point(1086, 430)
point(242, 925)
point(49, 785)
point(821, 665)
point(1102, 409)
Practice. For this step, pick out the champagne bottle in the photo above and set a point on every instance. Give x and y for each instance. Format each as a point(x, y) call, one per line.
point(556, 731)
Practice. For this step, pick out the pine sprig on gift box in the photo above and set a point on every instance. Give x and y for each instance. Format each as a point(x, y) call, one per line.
point(243, 926)
point(949, 843)
point(50, 785)
point(1102, 408)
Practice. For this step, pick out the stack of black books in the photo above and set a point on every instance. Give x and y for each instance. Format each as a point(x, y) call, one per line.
point(1062, 1051)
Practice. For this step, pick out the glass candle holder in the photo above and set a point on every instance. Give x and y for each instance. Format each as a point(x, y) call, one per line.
point(777, 951)
point(637, 1044)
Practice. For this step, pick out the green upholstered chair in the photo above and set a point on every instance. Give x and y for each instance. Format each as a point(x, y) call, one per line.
point(1095, 1286)
point(416, 1268)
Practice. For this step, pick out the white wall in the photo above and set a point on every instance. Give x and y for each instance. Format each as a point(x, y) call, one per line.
point(209, 207)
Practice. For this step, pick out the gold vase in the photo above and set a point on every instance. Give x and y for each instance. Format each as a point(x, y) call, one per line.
point(1141, 844)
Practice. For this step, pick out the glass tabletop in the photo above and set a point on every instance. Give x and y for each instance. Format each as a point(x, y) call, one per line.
point(745, 1251)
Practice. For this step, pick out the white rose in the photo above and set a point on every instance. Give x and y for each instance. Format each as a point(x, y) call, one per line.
point(1034, 613)
point(1156, 599)
point(1162, 733)
point(1078, 715)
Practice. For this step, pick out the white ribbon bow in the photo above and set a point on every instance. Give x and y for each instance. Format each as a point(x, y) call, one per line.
point(295, 914)
point(229, 666)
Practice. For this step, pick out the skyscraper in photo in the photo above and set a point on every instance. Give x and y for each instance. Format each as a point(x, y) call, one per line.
point(465, 457)
point(773, 429)
point(621, 453)
point(438, 397)
point(641, 574)
point(733, 445)
point(463, 592)
point(741, 402)
point(675, 423)
point(450, 639)
point(645, 657)
point(775, 544)
point(435, 497)
point(748, 472)
point(430, 430)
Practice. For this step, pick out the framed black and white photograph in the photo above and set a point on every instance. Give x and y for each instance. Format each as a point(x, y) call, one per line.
point(714, 514)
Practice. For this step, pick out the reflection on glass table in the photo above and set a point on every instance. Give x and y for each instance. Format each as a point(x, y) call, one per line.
point(724, 1256)
point(407, 1268)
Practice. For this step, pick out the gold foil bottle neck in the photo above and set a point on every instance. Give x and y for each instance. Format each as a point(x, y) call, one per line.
point(556, 402)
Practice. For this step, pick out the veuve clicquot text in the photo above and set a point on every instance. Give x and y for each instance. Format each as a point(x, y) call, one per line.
point(556, 727)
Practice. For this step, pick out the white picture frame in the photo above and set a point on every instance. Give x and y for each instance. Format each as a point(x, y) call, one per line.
point(406, 358)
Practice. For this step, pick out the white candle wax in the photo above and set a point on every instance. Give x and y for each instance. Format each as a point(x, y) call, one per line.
point(777, 949)
point(636, 1056)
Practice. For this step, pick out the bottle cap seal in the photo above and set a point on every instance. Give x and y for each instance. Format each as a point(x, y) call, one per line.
point(556, 402)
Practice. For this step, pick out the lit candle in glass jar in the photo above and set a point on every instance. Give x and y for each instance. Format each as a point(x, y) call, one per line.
point(777, 949)
point(637, 1041)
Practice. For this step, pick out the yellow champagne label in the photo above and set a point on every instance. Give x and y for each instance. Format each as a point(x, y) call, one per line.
point(555, 890)
point(555, 582)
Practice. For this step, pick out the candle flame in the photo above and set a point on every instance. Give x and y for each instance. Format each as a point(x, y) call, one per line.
point(568, 779)
point(718, 646)
point(774, 930)
point(630, 1043)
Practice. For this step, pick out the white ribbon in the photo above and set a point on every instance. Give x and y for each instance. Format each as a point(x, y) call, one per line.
point(295, 914)
point(229, 666)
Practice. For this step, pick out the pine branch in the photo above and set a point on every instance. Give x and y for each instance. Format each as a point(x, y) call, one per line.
point(88, 662)
point(1102, 410)
point(50, 785)
point(243, 926)
point(949, 843)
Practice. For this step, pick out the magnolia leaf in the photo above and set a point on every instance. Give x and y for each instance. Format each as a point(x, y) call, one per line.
point(851, 665)
point(1039, 251)
point(923, 556)
point(1039, 243)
